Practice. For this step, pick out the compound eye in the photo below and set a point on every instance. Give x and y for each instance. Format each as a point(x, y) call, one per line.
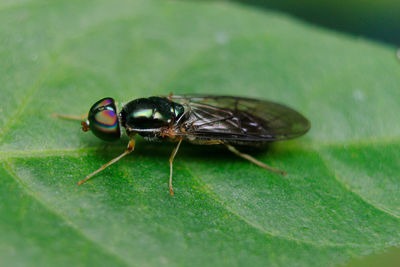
point(103, 120)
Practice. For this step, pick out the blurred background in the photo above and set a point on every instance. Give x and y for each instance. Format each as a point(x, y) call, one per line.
point(378, 20)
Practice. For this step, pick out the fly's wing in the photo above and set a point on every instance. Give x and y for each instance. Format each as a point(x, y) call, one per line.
point(238, 119)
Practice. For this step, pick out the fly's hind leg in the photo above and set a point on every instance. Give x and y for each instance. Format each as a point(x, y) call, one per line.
point(129, 149)
point(253, 160)
point(171, 160)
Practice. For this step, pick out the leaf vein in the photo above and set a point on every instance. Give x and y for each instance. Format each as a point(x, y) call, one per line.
point(11, 172)
point(258, 227)
point(352, 190)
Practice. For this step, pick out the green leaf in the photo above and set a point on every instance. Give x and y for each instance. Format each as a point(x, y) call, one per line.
point(339, 200)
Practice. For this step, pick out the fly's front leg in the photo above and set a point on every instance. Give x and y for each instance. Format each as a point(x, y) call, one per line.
point(82, 118)
point(71, 117)
point(253, 160)
point(129, 149)
point(171, 160)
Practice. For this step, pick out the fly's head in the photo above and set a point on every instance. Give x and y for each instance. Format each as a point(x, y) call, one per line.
point(103, 120)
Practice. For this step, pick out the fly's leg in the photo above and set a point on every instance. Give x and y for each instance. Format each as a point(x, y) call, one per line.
point(171, 160)
point(253, 160)
point(70, 117)
point(82, 118)
point(129, 149)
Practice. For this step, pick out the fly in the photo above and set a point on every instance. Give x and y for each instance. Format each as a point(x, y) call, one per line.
point(198, 119)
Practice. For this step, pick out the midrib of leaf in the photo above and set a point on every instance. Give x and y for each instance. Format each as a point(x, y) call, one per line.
point(72, 225)
point(6, 156)
point(303, 146)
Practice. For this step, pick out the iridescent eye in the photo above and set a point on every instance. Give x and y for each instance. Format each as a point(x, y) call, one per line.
point(103, 120)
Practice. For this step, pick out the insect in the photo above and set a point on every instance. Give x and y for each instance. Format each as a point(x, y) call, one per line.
point(199, 119)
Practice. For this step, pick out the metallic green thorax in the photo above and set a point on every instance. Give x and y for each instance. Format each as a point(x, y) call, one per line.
point(150, 113)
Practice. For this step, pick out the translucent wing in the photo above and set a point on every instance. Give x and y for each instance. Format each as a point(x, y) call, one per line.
point(236, 119)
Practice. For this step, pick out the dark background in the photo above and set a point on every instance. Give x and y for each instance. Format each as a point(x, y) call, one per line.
point(378, 20)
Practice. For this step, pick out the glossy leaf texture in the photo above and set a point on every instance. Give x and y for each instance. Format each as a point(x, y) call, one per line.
point(339, 200)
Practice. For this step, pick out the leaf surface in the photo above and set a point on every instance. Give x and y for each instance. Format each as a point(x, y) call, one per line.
point(339, 200)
